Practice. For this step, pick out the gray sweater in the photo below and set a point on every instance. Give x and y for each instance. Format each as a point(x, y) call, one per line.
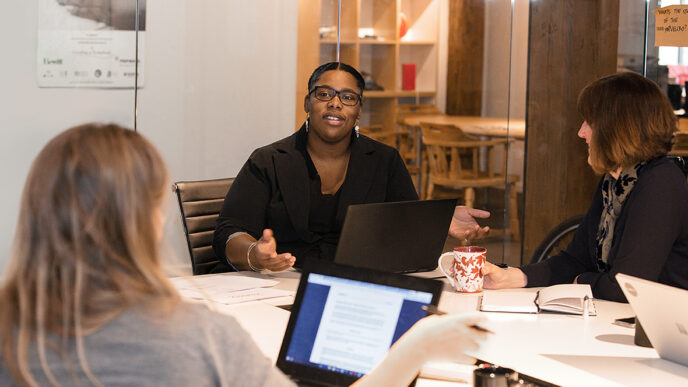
point(136, 349)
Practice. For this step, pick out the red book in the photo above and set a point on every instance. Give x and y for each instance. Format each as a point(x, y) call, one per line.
point(408, 76)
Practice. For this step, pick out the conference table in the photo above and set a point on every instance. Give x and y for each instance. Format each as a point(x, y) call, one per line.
point(561, 349)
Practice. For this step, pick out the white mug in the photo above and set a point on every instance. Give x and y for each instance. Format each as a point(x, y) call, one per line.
point(465, 270)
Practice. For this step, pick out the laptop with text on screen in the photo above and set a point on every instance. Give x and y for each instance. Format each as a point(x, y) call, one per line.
point(662, 313)
point(344, 319)
point(395, 236)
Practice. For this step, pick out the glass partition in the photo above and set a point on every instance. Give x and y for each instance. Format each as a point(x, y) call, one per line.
point(224, 78)
point(402, 48)
point(67, 62)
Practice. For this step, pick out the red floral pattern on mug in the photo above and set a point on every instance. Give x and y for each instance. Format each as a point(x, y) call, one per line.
point(465, 272)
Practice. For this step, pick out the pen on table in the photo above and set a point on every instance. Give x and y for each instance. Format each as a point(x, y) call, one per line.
point(432, 309)
point(586, 300)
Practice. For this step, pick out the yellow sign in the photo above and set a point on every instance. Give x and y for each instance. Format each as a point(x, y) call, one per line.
point(671, 26)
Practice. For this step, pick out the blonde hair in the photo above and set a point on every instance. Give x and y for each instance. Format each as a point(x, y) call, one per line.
point(631, 120)
point(85, 247)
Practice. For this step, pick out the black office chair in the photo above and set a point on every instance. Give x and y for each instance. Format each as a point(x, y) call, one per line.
point(200, 203)
point(562, 234)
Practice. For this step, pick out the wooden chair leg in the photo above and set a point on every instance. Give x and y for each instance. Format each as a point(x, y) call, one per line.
point(430, 190)
point(425, 182)
point(469, 200)
point(513, 213)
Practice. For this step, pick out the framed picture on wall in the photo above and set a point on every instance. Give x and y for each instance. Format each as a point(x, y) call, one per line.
point(90, 43)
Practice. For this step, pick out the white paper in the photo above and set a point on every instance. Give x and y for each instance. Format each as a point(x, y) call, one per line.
point(462, 374)
point(518, 302)
point(239, 296)
point(227, 289)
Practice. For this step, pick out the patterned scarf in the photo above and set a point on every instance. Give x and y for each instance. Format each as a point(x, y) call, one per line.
point(614, 194)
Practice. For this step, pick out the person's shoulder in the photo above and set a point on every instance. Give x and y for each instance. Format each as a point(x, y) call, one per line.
point(662, 171)
point(182, 321)
point(285, 144)
point(662, 176)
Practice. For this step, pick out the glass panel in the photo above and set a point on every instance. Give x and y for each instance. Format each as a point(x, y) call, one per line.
point(220, 83)
point(504, 98)
point(68, 62)
point(401, 47)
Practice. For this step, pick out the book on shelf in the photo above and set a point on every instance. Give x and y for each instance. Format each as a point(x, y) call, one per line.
point(565, 298)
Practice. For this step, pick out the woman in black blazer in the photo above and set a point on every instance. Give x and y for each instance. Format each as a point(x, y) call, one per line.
point(289, 200)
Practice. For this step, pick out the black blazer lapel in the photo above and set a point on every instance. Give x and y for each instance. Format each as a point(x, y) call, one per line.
point(292, 177)
point(360, 176)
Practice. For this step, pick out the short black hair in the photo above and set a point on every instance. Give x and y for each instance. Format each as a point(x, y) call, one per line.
point(318, 72)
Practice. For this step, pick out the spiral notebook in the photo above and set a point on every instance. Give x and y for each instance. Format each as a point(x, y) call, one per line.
point(565, 298)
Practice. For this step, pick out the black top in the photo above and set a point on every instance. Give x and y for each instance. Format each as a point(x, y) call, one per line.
point(322, 218)
point(650, 238)
point(274, 190)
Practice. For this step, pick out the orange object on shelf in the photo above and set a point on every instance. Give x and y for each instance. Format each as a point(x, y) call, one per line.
point(403, 25)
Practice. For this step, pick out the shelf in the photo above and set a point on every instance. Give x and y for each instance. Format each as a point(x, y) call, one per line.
point(396, 93)
point(334, 41)
point(379, 42)
point(417, 43)
point(382, 59)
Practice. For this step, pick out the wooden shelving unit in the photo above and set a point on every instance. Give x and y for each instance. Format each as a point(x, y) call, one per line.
point(381, 55)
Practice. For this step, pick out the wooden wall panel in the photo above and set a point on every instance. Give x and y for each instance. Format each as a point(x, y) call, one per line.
point(571, 43)
point(465, 56)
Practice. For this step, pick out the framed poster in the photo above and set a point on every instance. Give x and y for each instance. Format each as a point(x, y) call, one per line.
point(90, 43)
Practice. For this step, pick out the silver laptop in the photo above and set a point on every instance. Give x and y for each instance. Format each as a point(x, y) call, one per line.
point(661, 311)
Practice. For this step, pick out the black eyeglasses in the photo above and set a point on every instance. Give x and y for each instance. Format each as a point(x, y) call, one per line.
point(324, 93)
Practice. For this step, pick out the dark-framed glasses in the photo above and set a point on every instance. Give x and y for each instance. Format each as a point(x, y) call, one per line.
point(324, 93)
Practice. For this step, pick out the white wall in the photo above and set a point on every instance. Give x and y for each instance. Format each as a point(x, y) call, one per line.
point(219, 81)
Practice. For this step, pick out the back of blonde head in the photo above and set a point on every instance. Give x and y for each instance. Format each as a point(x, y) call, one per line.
point(85, 247)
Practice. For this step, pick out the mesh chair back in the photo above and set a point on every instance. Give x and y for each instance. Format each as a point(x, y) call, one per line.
point(200, 203)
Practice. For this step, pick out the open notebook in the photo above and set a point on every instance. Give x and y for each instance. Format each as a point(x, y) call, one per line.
point(565, 298)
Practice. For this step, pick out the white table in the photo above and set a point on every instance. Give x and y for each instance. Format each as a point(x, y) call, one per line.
point(560, 349)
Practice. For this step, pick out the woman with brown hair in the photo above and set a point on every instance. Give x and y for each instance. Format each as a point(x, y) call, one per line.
point(637, 223)
point(84, 300)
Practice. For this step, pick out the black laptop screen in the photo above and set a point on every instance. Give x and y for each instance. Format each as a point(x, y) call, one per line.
point(347, 326)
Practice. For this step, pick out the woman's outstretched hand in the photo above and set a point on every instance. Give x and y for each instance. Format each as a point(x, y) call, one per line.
point(464, 226)
point(494, 277)
point(264, 254)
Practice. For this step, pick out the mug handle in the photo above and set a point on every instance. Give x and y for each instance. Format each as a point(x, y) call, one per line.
point(439, 264)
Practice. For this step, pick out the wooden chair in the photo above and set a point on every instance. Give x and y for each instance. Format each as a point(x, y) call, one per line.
point(392, 138)
point(408, 146)
point(378, 133)
point(453, 163)
point(200, 203)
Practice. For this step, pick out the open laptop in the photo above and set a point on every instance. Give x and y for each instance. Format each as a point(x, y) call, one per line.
point(395, 236)
point(662, 313)
point(344, 319)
